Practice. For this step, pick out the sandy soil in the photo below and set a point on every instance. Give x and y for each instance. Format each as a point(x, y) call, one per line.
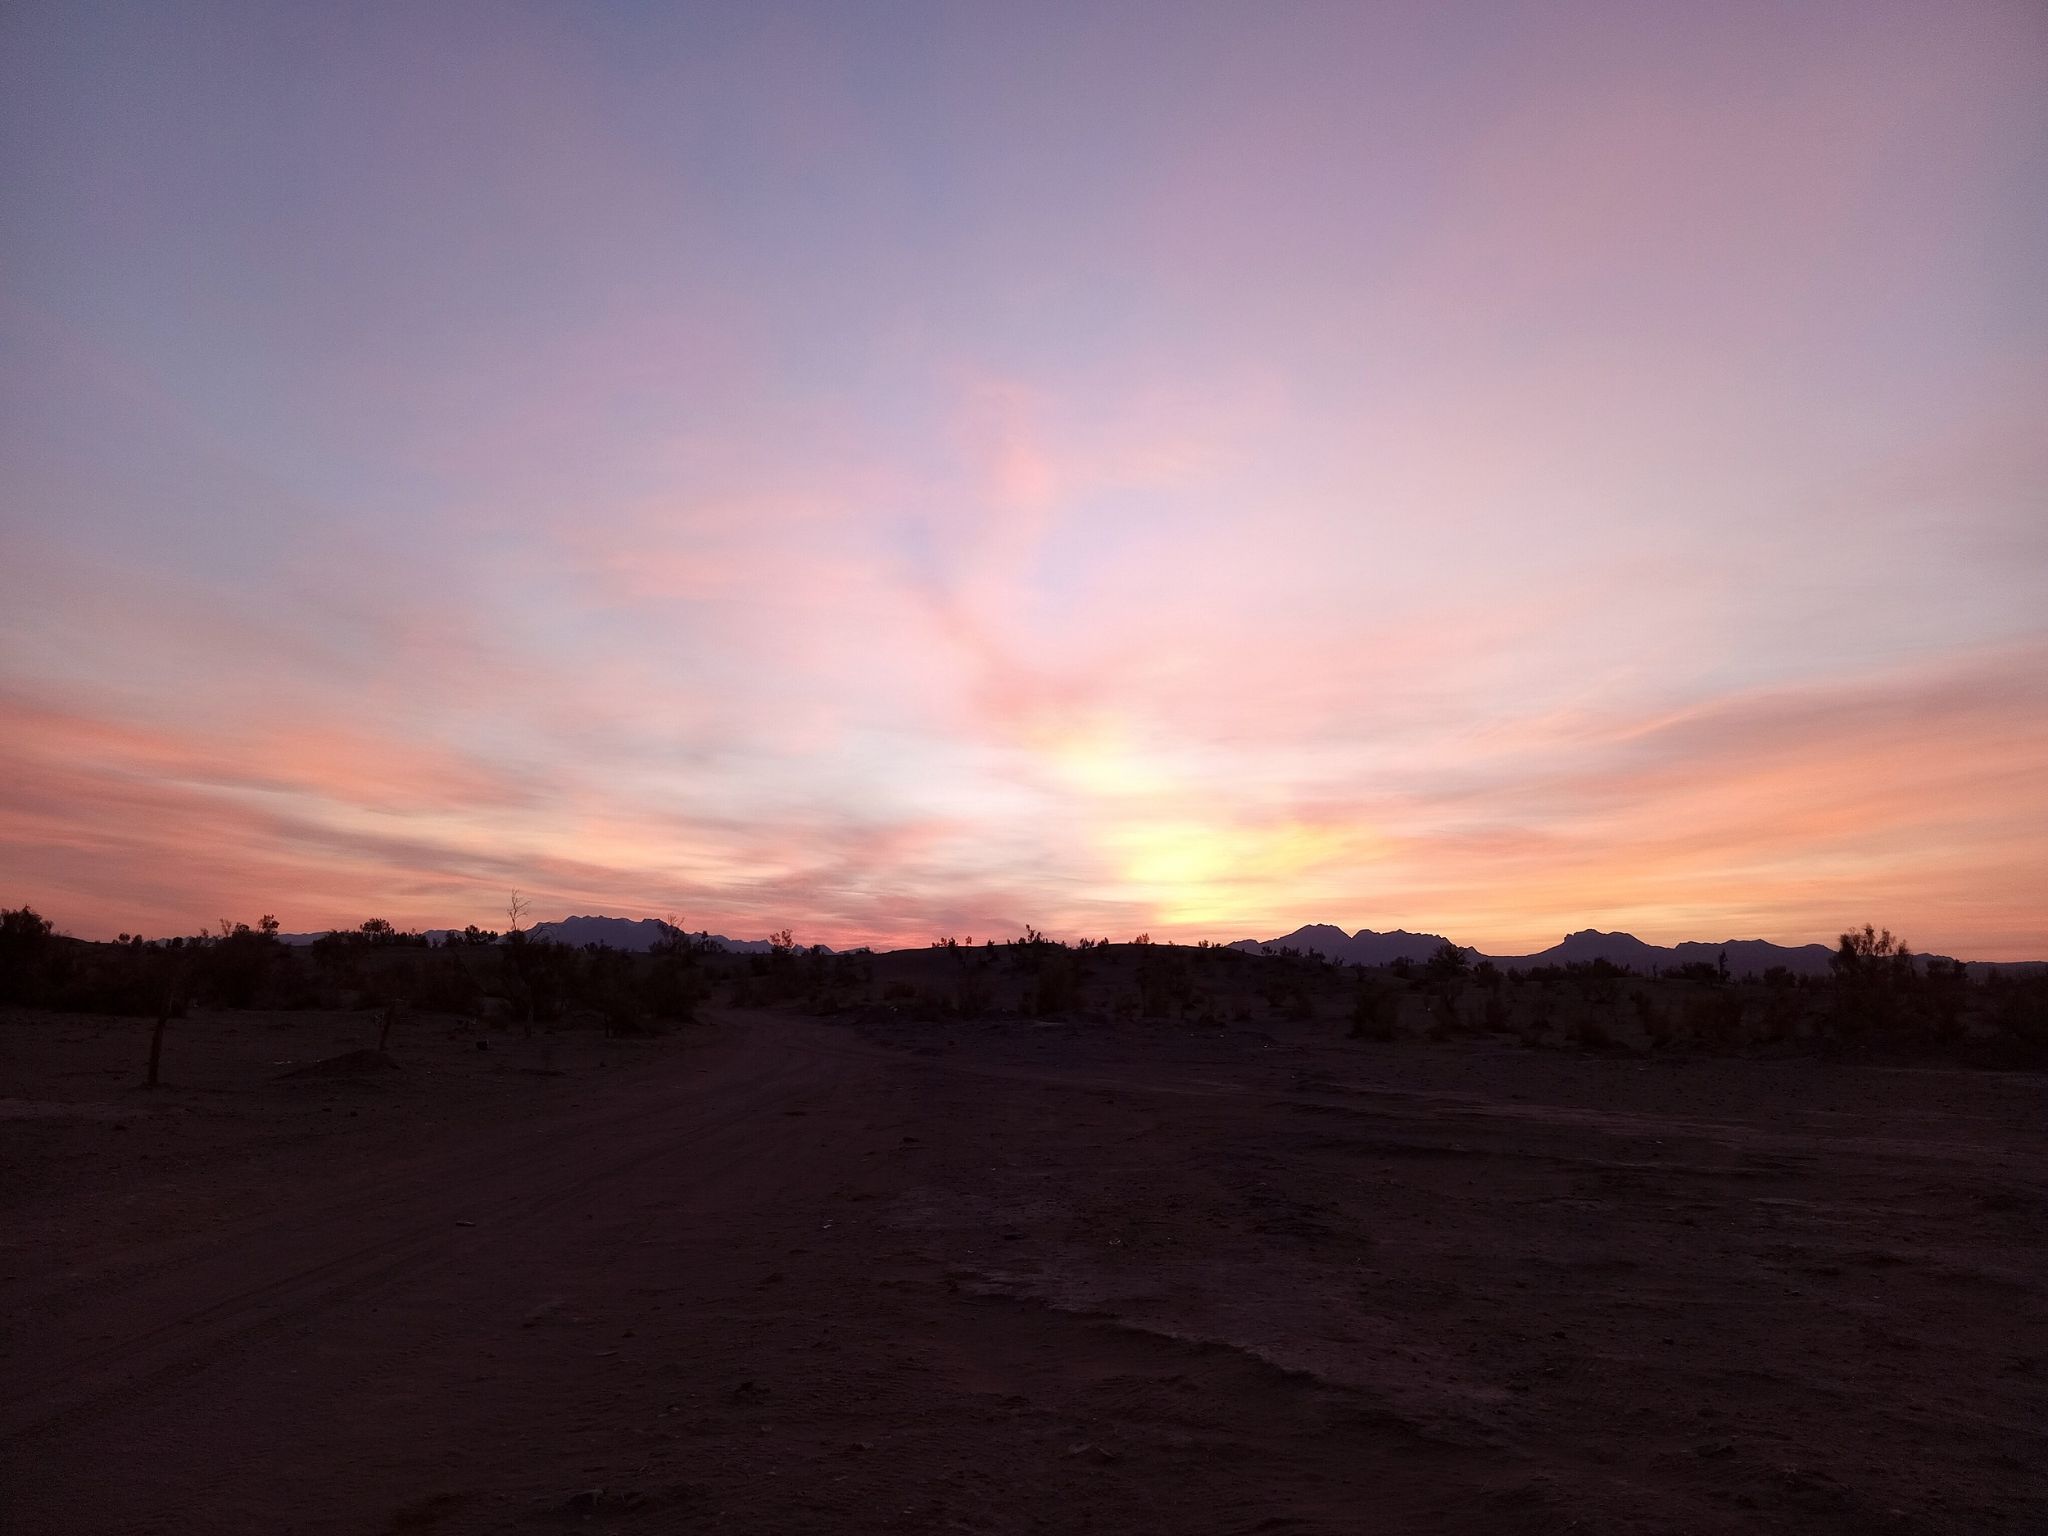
point(783, 1274)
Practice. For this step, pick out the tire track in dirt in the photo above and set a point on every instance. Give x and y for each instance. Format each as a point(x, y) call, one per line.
point(361, 1196)
point(109, 1376)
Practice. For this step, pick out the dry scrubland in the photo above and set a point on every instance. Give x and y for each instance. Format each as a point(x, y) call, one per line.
point(1023, 1240)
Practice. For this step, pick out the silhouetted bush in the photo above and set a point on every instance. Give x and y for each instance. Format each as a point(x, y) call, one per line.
point(234, 967)
point(24, 954)
point(1057, 986)
point(1375, 1014)
point(1713, 1018)
point(337, 955)
point(1448, 962)
point(2019, 1018)
point(1940, 996)
point(132, 979)
point(1495, 1016)
point(971, 998)
point(1165, 989)
point(1648, 1019)
point(1873, 979)
point(674, 988)
point(1591, 1033)
point(439, 983)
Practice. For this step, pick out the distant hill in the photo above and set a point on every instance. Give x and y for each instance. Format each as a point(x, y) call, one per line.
point(636, 934)
point(1364, 947)
point(1746, 957)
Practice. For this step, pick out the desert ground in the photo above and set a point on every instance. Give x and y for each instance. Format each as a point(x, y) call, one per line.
point(777, 1273)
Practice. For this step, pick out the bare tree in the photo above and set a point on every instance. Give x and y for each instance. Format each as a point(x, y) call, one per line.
point(519, 957)
point(674, 941)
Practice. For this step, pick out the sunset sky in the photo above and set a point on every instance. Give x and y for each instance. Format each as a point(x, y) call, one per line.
point(893, 470)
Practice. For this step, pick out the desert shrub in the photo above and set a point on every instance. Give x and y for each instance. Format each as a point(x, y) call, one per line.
point(1164, 987)
point(295, 986)
point(1057, 989)
point(1448, 963)
point(1495, 1015)
point(929, 1007)
point(604, 981)
point(971, 997)
point(229, 968)
point(619, 1008)
point(1650, 1019)
point(339, 956)
point(1601, 991)
point(379, 933)
point(1873, 976)
point(132, 980)
point(1713, 1017)
point(442, 984)
point(1778, 1018)
point(2019, 1020)
point(674, 985)
point(1590, 1032)
point(540, 976)
point(1940, 998)
point(1375, 1014)
point(25, 946)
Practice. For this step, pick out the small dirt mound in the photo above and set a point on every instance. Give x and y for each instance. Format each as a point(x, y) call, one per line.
point(347, 1064)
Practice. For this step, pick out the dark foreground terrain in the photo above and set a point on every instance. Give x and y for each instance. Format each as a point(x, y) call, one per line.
point(779, 1274)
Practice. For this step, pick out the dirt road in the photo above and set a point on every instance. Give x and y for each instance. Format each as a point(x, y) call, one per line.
point(800, 1278)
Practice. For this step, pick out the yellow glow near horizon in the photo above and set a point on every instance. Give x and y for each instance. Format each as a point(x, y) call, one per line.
point(1196, 872)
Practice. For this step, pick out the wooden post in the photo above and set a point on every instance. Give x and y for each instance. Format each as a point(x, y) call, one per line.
point(156, 1042)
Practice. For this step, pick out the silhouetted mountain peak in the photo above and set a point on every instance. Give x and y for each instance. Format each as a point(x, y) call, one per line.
point(1744, 956)
point(1365, 947)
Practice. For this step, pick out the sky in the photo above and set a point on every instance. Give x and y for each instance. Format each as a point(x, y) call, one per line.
point(894, 471)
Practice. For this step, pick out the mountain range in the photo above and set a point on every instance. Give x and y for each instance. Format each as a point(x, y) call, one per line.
point(1746, 957)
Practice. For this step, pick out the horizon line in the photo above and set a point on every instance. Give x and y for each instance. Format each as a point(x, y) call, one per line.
point(1176, 935)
